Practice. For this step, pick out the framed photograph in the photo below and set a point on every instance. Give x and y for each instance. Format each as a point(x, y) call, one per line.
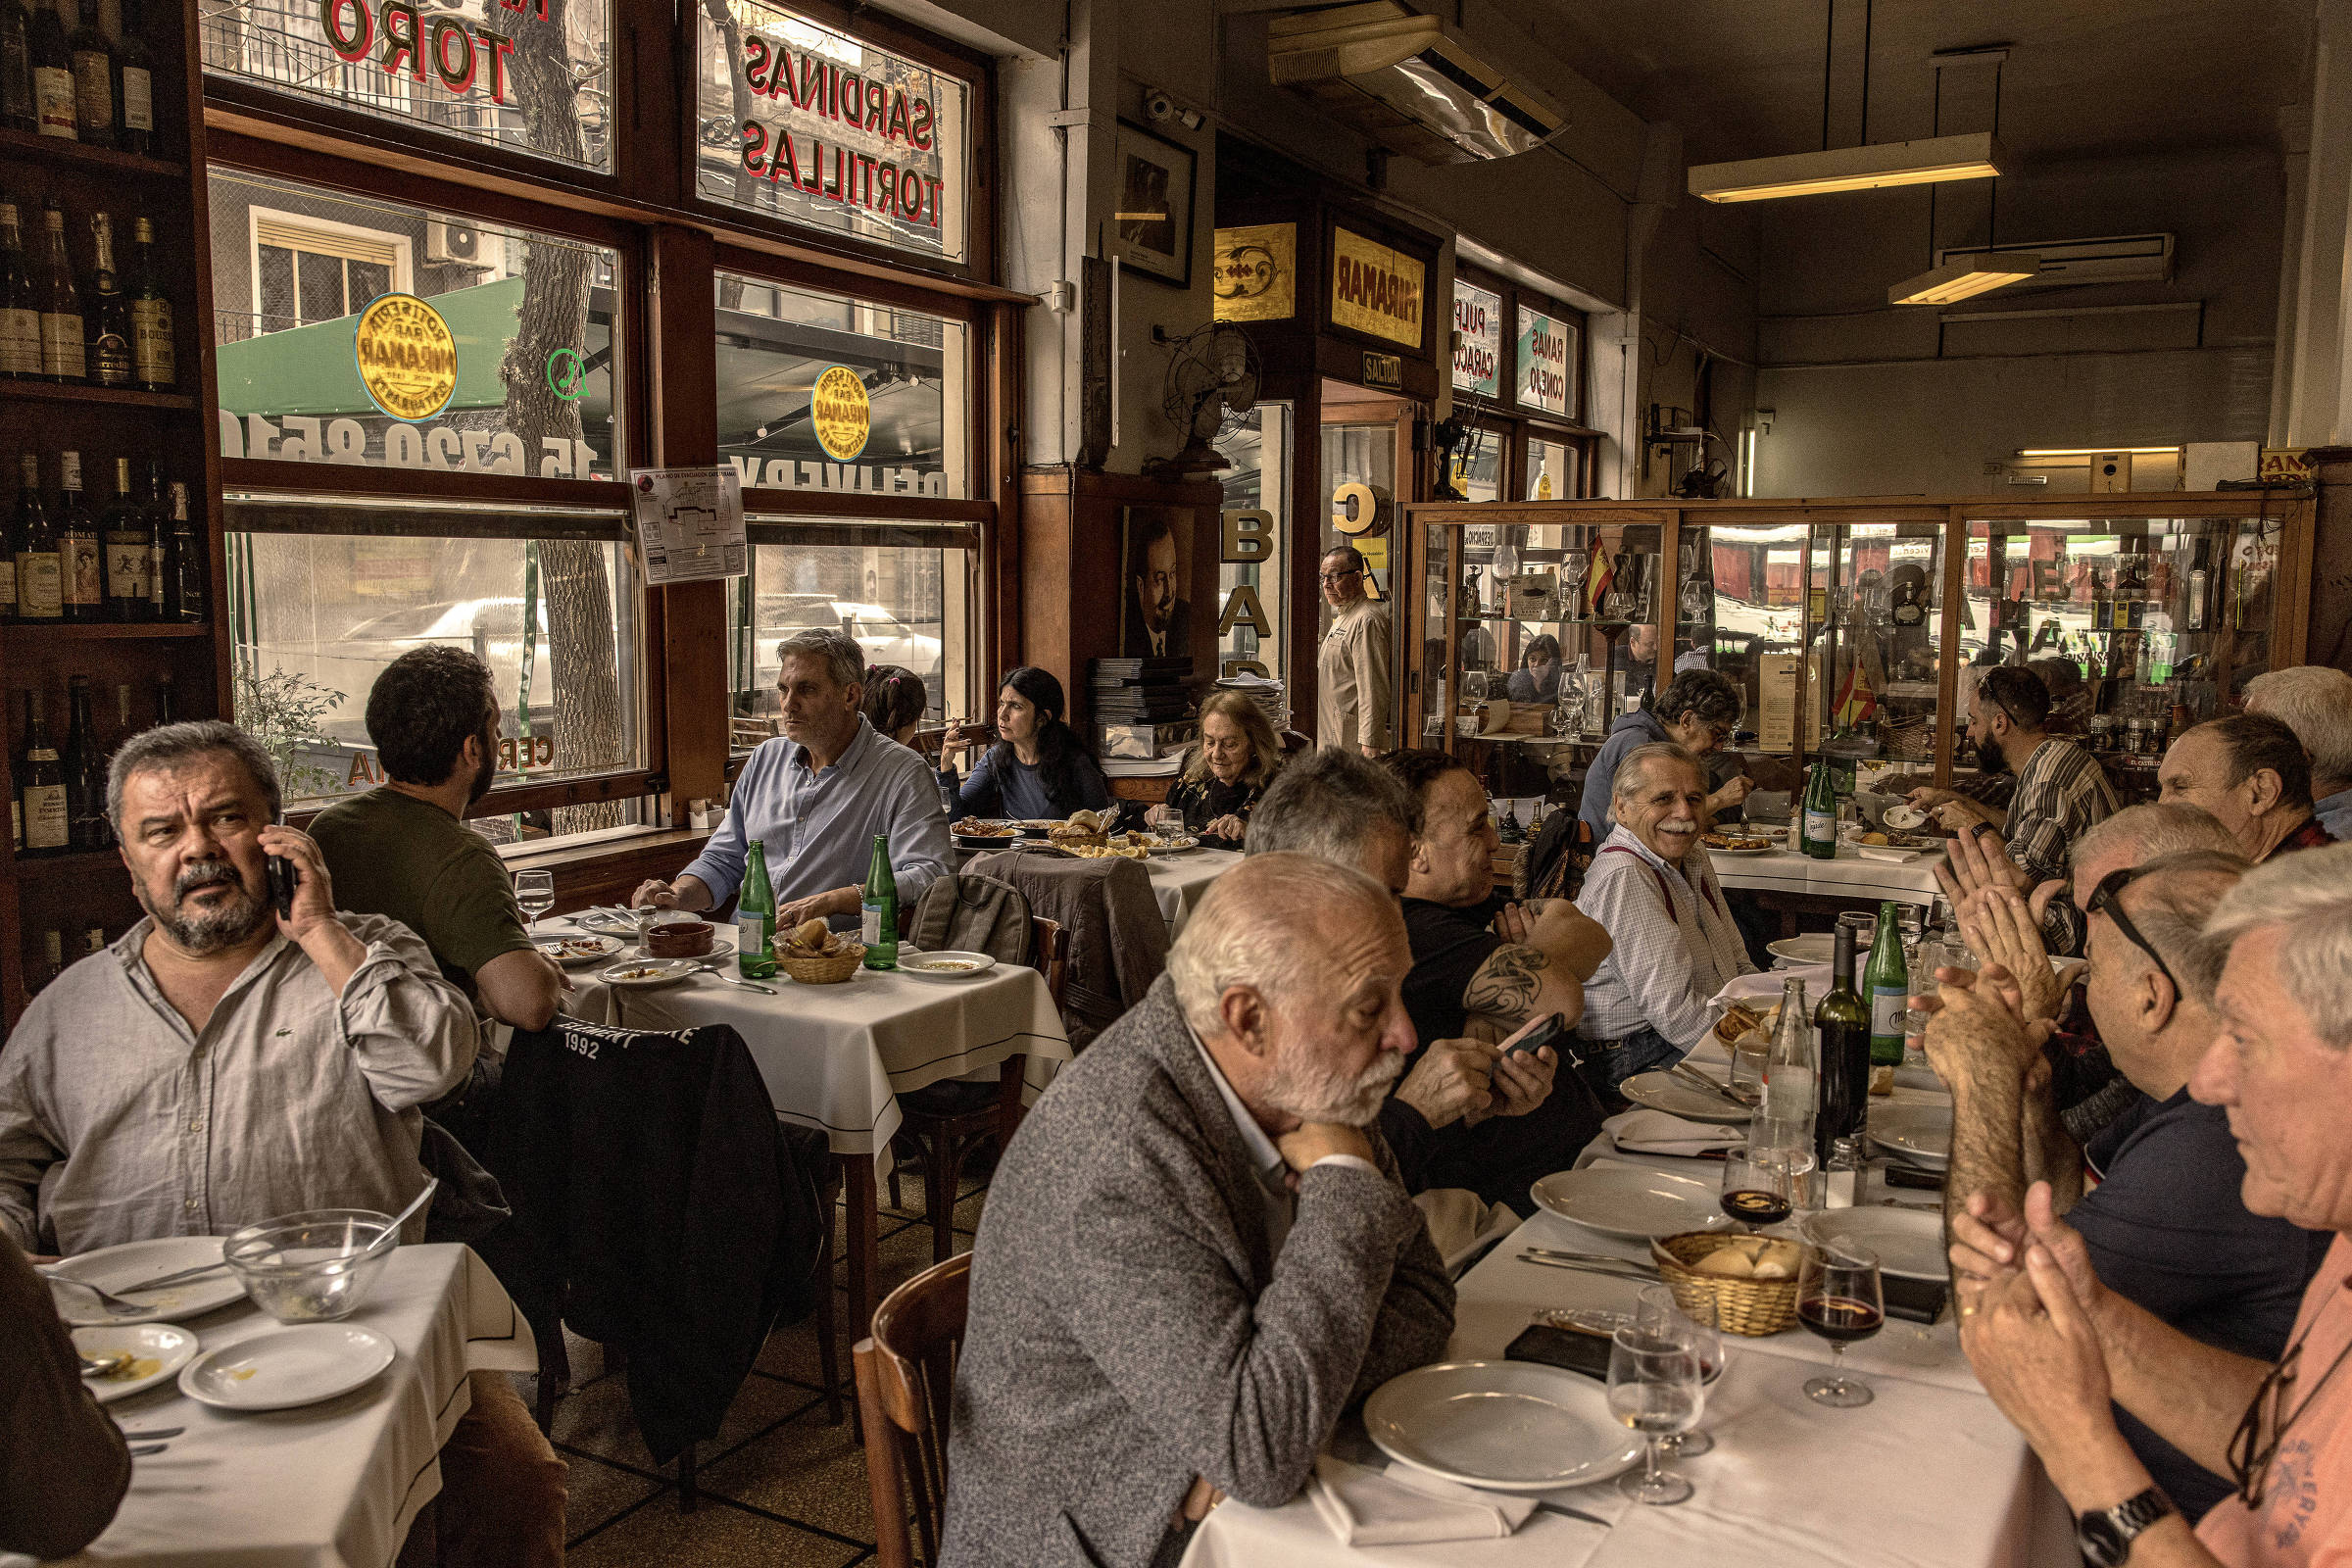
point(1155, 606)
point(1154, 220)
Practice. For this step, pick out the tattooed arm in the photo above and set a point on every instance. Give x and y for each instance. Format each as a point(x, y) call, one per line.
point(1519, 982)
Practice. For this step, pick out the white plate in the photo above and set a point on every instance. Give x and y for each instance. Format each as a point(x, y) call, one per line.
point(113, 1267)
point(287, 1367)
point(725, 940)
point(605, 947)
point(1920, 1134)
point(1631, 1204)
point(1814, 946)
point(606, 924)
point(1769, 849)
point(670, 971)
point(1507, 1425)
point(1172, 846)
point(920, 965)
point(1909, 1242)
point(167, 1346)
point(1903, 818)
point(1663, 1091)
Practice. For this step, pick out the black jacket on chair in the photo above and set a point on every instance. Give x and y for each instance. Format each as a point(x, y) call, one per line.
point(658, 1207)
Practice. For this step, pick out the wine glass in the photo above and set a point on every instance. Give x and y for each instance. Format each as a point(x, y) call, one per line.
point(1694, 1327)
point(1839, 1300)
point(534, 893)
point(1654, 1389)
point(1760, 1185)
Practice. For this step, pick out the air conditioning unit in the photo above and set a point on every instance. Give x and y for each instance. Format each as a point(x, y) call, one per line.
point(453, 239)
point(2070, 263)
point(1408, 82)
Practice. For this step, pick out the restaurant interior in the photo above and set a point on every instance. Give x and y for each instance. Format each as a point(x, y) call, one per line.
point(1515, 387)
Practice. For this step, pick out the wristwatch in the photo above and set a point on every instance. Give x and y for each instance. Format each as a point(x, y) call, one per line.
point(2106, 1536)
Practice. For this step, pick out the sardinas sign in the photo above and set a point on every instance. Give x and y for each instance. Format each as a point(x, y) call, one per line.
point(815, 126)
point(1477, 340)
point(1375, 289)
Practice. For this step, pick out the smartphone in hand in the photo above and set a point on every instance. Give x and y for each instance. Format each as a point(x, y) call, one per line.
point(1547, 1033)
point(283, 878)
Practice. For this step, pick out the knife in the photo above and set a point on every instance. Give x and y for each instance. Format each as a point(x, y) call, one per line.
point(1589, 1269)
point(1592, 1258)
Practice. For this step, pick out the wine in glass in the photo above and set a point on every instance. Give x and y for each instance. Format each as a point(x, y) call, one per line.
point(1695, 1329)
point(1654, 1389)
point(1839, 1298)
point(1760, 1185)
point(534, 893)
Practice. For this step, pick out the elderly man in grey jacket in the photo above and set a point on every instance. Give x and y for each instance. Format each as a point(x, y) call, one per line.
point(1197, 1253)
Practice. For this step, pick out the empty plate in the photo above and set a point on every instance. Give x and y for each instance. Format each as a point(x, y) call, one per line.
point(287, 1367)
point(948, 963)
point(1508, 1426)
point(1919, 1133)
point(1814, 946)
point(1663, 1091)
point(1909, 1242)
point(1630, 1203)
point(157, 1351)
point(113, 1267)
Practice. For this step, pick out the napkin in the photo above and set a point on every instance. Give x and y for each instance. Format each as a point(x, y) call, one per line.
point(1403, 1507)
point(1658, 1131)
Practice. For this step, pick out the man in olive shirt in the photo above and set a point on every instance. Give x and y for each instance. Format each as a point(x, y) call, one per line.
point(403, 851)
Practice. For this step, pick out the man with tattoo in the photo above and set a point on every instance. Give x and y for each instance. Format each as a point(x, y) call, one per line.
point(1652, 889)
point(2167, 1227)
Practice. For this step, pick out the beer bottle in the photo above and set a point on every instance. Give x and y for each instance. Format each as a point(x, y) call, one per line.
point(1817, 833)
point(1887, 982)
point(879, 905)
point(756, 917)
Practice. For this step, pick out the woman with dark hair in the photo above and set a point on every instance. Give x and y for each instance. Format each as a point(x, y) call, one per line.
point(1037, 769)
point(894, 702)
point(1538, 679)
point(1237, 758)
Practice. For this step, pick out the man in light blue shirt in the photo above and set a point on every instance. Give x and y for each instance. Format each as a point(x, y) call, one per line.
point(815, 797)
point(2316, 703)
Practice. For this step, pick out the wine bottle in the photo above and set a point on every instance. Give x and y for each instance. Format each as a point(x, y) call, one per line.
point(40, 558)
point(878, 904)
point(62, 355)
point(8, 545)
point(123, 725)
point(187, 575)
point(1817, 832)
point(130, 536)
point(167, 703)
point(81, 557)
point(52, 75)
point(53, 957)
point(1887, 981)
point(105, 313)
point(19, 312)
point(154, 353)
point(1789, 1073)
point(1844, 1024)
point(18, 108)
point(43, 790)
point(93, 79)
point(134, 129)
point(756, 917)
point(85, 770)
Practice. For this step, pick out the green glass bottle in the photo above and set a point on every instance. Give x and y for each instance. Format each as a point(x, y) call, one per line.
point(1817, 831)
point(756, 918)
point(1887, 981)
point(879, 905)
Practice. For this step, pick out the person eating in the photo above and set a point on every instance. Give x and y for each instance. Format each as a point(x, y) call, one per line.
point(1037, 770)
point(1225, 774)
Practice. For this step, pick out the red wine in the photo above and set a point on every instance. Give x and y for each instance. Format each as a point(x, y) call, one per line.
point(1841, 1317)
point(1755, 1207)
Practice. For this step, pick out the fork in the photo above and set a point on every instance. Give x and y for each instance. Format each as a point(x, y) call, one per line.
point(114, 1304)
point(1700, 1080)
point(713, 971)
point(142, 1450)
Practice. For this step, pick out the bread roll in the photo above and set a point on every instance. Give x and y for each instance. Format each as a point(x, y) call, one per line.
point(810, 934)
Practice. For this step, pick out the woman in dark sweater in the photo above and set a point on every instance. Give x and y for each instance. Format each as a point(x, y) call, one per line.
point(1236, 760)
point(1037, 769)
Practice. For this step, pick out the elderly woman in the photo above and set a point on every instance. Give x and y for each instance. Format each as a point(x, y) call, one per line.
point(1674, 945)
point(1224, 775)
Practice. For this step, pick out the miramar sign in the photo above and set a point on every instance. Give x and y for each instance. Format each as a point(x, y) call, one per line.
point(1375, 289)
point(407, 356)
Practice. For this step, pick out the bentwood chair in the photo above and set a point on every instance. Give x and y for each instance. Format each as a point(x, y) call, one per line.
point(905, 1374)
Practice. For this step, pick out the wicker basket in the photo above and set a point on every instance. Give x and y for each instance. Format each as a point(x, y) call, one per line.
point(830, 969)
point(1753, 1307)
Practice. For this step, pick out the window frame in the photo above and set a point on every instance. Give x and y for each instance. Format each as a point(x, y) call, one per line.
point(1517, 424)
point(401, 259)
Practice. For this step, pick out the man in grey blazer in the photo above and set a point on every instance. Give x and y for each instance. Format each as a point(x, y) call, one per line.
point(1195, 1252)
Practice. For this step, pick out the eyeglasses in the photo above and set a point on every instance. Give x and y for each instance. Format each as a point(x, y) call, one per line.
point(2108, 899)
point(1340, 576)
point(2250, 1454)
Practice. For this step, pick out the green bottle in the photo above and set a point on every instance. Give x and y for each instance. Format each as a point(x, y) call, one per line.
point(1817, 833)
point(1888, 983)
point(1843, 1025)
point(756, 918)
point(879, 903)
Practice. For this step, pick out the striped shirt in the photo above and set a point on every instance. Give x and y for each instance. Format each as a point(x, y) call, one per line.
point(1674, 942)
point(2062, 793)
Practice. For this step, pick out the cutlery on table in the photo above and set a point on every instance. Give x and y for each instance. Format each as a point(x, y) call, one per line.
point(715, 972)
point(1573, 1513)
point(1621, 1273)
point(1698, 1080)
point(105, 1366)
point(157, 1436)
point(143, 1450)
point(114, 1304)
point(161, 1281)
point(1607, 1258)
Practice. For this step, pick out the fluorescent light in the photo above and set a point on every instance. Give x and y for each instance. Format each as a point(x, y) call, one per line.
point(1964, 276)
point(1972, 156)
point(2091, 452)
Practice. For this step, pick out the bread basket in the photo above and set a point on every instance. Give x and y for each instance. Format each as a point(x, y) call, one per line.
point(823, 970)
point(1753, 1307)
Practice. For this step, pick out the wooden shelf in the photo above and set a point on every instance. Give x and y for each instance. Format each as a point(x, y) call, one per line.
point(62, 154)
point(60, 867)
point(28, 632)
point(120, 397)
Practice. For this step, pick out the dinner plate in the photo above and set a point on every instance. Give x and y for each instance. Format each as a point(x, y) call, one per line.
point(631, 974)
point(1814, 946)
point(610, 923)
point(1766, 848)
point(1919, 1133)
point(158, 1351)
point(1507, 1425)
point(1172, 846)
point(948, 963)
point(1663, 1091)
point(725, 940)
point(1903, 817)
point(986, 841)
point(111, 1268)
point(1909, 1242)
point(1629, 1202)
point(591, 947)
point(287, 1367)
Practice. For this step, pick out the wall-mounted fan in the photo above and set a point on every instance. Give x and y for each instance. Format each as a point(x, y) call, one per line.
point(1212, 375)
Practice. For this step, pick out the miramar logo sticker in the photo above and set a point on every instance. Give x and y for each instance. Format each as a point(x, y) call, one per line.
point(407, 356)
point(841, 413)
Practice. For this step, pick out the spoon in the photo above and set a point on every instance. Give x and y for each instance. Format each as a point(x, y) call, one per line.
point(714, 972)
point(105, 1366)
point(432, 1185)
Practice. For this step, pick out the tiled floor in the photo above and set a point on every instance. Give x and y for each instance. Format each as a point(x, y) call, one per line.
point(781, 1487)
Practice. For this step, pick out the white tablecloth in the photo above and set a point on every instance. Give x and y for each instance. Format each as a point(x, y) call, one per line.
point(1849, 877)
point(1179, 880)
point(332, 1484)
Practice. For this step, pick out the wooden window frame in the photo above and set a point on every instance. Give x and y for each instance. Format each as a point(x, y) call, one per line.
point(1520, 425)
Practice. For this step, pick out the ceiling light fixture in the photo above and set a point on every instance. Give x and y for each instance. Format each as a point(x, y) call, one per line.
point(2092, 452)
point(1972, 155)
point(1964, 276)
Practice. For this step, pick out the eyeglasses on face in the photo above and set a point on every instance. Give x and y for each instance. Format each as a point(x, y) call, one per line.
point(2107, 899)
point(1340, 576)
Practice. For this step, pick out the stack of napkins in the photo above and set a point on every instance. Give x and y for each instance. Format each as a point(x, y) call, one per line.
point(1658, 1131)
point(1404, 1506)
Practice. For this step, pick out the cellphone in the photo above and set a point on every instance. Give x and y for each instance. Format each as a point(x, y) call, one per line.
point(1561, 1347)
point(283, 877)
point(1547, 1033)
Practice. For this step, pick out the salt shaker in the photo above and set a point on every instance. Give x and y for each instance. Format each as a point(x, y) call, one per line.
point(1842, 1186)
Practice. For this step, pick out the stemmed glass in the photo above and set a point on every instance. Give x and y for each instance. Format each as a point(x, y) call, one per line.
point(1654, 1389)
point(534, 893)
point(1839, 1300)
point(1657, 1313)
point(1760, 1185)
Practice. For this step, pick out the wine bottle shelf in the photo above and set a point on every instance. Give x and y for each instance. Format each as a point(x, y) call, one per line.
point(121, 397)
point(73, 865)
point(26, 633)
point(60, 153)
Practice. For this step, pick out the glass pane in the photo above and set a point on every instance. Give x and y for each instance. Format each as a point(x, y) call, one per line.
point(1552, 470)
point(1478, 464)
point(1478, 351)
point(1437, 586)
point(813, 126)
point(1740, 610)
point(1559, 616)
point(1359, 476)
point(421, 388)
point(528, 75)
point(1871, 672)
point(1251, 597)
point(821, 392)
point(1546, 362)
point(316, 618)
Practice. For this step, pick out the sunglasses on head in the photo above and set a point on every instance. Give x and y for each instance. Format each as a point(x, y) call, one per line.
point(2108, 899)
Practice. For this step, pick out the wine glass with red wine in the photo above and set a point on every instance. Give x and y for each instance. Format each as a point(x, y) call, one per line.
point(1760, 1185)
point(1839, 1298)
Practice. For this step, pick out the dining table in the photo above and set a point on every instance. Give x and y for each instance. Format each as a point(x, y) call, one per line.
point(1177, 880)
point(332, 1485)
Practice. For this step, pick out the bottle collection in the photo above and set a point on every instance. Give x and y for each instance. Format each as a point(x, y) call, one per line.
point(77, 83)
point(56, 795)
point(105, 325)
point(141, 558)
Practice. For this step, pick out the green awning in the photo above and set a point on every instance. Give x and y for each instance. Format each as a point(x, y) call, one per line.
point(310, 369)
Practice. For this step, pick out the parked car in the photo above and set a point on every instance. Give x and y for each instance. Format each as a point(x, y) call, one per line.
point(489, 628)
point(886, 639)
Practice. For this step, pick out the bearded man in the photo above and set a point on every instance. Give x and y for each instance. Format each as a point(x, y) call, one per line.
point(1197, 1253)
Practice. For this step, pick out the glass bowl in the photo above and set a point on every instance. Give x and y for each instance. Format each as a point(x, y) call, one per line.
point(312, 1267)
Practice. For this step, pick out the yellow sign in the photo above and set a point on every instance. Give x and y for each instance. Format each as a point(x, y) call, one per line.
point(2284, 466)
point(407, 358)
point(1256, 272)
point(841, 413)
point(1375, 289)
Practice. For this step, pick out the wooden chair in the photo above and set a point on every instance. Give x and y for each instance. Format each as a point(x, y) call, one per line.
point(948, 1137)
point(905, 1377)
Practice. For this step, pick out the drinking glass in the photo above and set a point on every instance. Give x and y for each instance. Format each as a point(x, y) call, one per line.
point(535, 893)
point(1760, 1184)
point(1838, 1299)
point(1656, 1313)
point(1654, 1389)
